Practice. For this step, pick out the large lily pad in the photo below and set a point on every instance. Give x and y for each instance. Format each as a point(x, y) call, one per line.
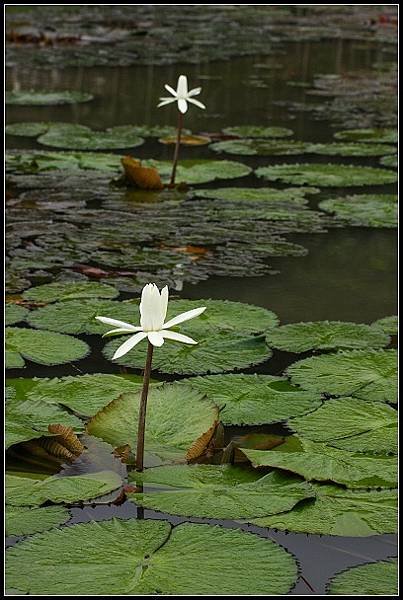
point(199, 171)
point(353, 149)
point(261, 147)
point(319, 462)
point(219, 492)
point(39, 98)
point(264, 194)
point(364, 210)
point(377, 136)
point(15, 313)
point(389, 161)
point(351, 424)
point(176, 417)
point(371, 579)
point(27, 491)
point(254, 399)
point(35, 161)
point(326, 175)
point(28, 128)
point(73, 290)
point(43, 347)
point(336, 511)
point(84, 394)
point(214, 353)
point(325, 335)
point(131, 557)
point(389, 325)
point(75, 137)
point(257, 131)
point(367, 374)
point(26, 521)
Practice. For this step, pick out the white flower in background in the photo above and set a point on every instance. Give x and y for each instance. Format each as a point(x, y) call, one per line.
point(153, 310)
point(181, 95)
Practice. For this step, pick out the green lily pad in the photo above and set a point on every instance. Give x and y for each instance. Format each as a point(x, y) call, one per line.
point(326, 175)
point(215, 353)
point(384, 136)
point(351, 424)
point(388, 325)
point(43, 347)
point(26, 521)
point(27, 419)
point(34, 161)
point(256, 131)
point(389, 161)
point(199, 171)
point(84, 394)
point(132, 557)
point(75, 137)
point(51, 292)
point(37, 98)
point(254, 399)
point(241, 194)
point(15, 313)
point(219, 492)
point(28, 491)
point(364, 210)
point(176, 417)
point(318, 462)
point(325, 335)
point(353, 149)
point(27, 128)
point(367, 374)
point(261, 147)
point(336, 511)
point(371, 579)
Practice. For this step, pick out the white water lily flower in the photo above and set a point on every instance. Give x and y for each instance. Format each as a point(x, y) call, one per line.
point(181, 95)
point(153, 310)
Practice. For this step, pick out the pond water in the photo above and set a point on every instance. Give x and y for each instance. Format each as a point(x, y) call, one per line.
point(349, 274)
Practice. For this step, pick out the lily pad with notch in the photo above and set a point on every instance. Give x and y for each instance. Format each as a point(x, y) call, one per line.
point(370, 579)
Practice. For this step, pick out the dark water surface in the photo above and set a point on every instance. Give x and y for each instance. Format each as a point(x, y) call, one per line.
point(348, 274)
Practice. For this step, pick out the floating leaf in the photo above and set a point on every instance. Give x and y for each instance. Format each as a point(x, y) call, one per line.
point(254, 399)
point(364, 210)
point(242, 194)
point(27, 129)
point(15, 313)
point(39, 98)
point(388, 325)
point(325, 335)
point(215, 353)
point(351, 424)
point(36, 161)
point(26, 521)
point(389, 161)
point(145, 178)
point(384, 136)
point(176, 417)
point(102, 558)
point(186, 140)
point(319, 462)
point(371, 579)
point(326, 175)
point(218, 492)
point(43, 347)
point(353, 149)
point(75, 137)
point(337, 511)
point(250, 147)
point(199, 171)
point(367, 374)
point(51, 292)
point(256, 131)
point(28, 491)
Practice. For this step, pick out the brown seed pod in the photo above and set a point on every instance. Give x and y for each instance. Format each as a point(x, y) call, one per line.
point(67, 438)
point(56, 449)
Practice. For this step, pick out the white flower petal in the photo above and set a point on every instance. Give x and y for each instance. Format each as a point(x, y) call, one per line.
point(190, 314)
point(116, 323)
point(155, 338)
point(196, 102)
point(119, 331)
point(182, 105)
point(165, 101)
point(182, 86)
point(170, 89)
point(194, 92)
point(178, 337)
point(164, 304)
point(129, 344)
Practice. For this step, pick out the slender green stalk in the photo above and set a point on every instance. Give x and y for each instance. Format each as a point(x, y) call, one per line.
point(143, 409)
point(176, 153)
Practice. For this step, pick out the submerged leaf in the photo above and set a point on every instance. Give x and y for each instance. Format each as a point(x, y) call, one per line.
point(132, 557)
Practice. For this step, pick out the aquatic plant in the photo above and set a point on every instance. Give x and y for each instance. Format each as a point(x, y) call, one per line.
point(182, 96)
point(153, 309)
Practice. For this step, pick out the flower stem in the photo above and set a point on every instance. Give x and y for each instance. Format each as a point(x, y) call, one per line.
point(178, 142)
point(143, 409)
